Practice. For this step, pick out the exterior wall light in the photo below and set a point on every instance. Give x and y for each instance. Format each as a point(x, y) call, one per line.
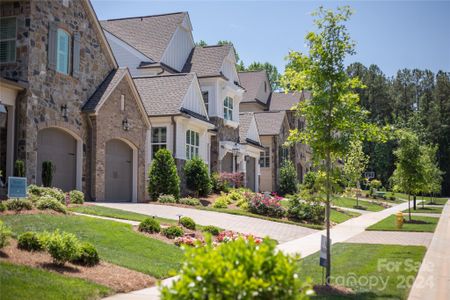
point(125, 125)
point(64, 111)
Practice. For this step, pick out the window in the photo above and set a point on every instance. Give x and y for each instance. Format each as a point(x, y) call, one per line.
point(62, 52)
point(192, 144)
point(228, 108)
point(159, 139)
point(264, 158)
point(7, 40)
point(284, 154)
point(205, 96)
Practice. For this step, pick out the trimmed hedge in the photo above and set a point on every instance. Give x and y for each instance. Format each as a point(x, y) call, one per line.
point(187, 223)
point(48, 202)
point(86, 255)
point(150, 225)
point(30, 241)
point(212, 230)
point(173, 232)
point(18, 204)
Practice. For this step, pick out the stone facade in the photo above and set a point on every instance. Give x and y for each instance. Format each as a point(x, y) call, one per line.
point(107, 125)
point(48, 91)
point(224, 133)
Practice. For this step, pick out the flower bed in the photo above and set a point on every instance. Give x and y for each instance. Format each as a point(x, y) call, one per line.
point(267, 205)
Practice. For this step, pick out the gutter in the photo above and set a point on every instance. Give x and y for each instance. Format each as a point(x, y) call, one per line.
point(174, 141)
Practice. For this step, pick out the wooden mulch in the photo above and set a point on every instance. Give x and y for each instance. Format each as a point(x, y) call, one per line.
point(332, 290)
point(119, 279)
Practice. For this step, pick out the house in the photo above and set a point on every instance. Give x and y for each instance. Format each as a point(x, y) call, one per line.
point(64, 99)
point(163, 46)
point(274, 118)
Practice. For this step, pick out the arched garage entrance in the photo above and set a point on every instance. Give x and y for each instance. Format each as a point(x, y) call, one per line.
point(120, 172)
point(64, 151)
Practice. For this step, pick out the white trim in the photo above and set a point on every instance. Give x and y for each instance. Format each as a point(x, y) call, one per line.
point(10, 140)
point(199, 96)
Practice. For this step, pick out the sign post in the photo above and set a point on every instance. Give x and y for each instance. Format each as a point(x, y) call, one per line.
point(17, 187)
point(323, 252)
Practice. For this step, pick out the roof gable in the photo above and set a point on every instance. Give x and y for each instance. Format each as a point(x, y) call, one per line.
point(253, 82)
point(284, 101)
point(150, 35)
point(247, 128)
point(270, 123)
point(207, 61)
point(193, 100)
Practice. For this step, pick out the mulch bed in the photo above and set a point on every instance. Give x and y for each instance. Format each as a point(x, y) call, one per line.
point(332, 290)
point(120, 279)
point(159, 236)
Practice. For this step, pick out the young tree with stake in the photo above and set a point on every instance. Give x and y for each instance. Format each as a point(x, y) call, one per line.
point(354, 166)
point(333, 115)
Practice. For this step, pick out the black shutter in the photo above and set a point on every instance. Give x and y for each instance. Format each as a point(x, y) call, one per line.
point(52, 44)
point(76, 55)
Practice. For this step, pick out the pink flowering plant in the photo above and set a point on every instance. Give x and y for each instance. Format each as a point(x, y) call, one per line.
point(231, 179)
point(188, 241)
point(266, 205)
point(229, 235)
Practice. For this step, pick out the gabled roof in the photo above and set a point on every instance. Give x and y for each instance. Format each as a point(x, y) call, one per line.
point(207, 61)
point(270, 123)
point(283, 101)
point(104, 89)
point(163, 95)
point(245, 123)
point(150, 35)
point(252, 81)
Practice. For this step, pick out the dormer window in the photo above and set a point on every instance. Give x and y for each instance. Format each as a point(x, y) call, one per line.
point(228, 108)
point(7, 40)
point(62, 48)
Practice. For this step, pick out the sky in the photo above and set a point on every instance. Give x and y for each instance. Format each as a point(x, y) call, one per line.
point(392, 35)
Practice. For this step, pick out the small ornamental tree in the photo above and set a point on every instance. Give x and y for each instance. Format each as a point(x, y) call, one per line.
point(240, 269)
point(163, 176)
point(19, 167)
point(47, 173)
point(408, 175)
point(355, 164)
point(432, 175)
point(197, 176)
point(288, 178)
point(333, 114)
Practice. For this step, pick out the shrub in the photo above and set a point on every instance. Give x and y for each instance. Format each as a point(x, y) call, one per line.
point(212, 230)
point(266, 205)
point(231, 179)
point(2, 207)
point(211, 272)
point(221, 202)
point(62, 247)
point(29, 241)
point(235, 195)
point(306, 210)
point(163, 176)
point(197, 176)
point(173, 231)
point(187, 223)
point(5, 234)
point(190, 201)
point(167, 199)
point(229, 235)
point(56, 193)
point(76, 197)
point(187, 241)
point(48, 202)
point(47, 173)
point(288, 178)
point(87, 255)
point(18, 204)
point(19, 168)
point(150, 225)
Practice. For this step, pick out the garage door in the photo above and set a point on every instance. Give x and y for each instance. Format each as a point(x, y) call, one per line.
point(60, 148)
point(119, 172)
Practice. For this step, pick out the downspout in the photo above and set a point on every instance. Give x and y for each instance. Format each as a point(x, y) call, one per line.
point(174, 125)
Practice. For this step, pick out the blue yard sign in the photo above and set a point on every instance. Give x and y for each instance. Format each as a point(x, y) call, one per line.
point(17, 187)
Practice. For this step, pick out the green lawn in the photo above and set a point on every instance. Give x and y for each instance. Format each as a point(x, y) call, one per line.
point(426, 209)
point(366, 263)
point(424, 224)
point(115, 213)
point(116, 242)
point(342, 216)
point(350, 203)
point(437, 201)
point(21, 282)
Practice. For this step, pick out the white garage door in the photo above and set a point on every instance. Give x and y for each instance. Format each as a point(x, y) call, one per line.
point(60, 148)
point(119, 172)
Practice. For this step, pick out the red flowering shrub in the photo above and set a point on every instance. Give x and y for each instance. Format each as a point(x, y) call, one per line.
point(267, 205)
point(231, 179)
point(188, 241)
point(228, 235)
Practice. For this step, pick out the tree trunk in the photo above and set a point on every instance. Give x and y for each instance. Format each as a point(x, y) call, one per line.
point(328, 224)
point(414, 201)
point(409, 206)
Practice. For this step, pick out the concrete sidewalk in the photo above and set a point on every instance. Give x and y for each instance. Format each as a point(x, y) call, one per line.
point(433, 280)
point(393, 238)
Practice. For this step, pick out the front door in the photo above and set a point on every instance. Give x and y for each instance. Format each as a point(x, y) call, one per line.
point(119, 172)
point(250, 173)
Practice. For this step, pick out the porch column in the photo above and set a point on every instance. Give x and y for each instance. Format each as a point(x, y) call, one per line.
point(10, 140)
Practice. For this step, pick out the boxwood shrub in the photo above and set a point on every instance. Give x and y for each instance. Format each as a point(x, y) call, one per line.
point(187, 222)
point(149, 225)
point(30, 241)
point(190, 201)
point(167, 199)
point(62, 247)
point(5, 234)
point(48, 202)
point(212, 230)
point(2, 206)
point(173, 231)
point(76, 197)
point(18, 204)
point(86, 255)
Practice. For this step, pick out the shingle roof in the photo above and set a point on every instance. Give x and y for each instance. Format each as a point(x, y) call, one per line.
point(269, 123)
point(252, 81)
point(163, 95)
point(104, 89)
point(283, 101)
point(245, 119)
point(207, 61)
point(149, 35)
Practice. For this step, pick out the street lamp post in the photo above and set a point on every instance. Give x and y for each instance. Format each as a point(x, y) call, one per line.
point(235, 150)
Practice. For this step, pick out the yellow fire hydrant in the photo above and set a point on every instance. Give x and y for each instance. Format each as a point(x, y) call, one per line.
point(399, 220)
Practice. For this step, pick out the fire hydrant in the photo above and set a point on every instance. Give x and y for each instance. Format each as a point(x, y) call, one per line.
point(399, 220)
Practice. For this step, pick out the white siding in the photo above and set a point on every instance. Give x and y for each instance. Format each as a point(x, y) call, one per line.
point(252, 132)
point(178, 49)
point(229, 67)
point(193, 100)
point(126, 55)
point(183, 125)
point(261, 95)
